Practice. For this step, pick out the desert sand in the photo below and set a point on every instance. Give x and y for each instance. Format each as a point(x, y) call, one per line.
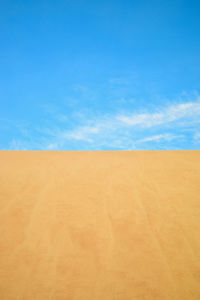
point(106, 225)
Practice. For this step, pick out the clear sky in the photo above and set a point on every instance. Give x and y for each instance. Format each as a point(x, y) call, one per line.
point(99, 75)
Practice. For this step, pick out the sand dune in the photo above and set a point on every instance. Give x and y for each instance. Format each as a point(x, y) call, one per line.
point(100, 225)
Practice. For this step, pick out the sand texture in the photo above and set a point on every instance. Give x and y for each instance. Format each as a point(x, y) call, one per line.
point(110, 225)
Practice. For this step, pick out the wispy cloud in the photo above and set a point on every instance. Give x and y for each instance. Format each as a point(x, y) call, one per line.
point(16, 144)
point(197, 137)
point(157, 138)
point(163, 127)
point(129, 130)
point(53, 146)
point(164, 116)
point(82, 133)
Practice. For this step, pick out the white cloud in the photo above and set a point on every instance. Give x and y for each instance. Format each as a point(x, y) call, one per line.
point(164, 116)
point(157, 138)
point(53, 146)
point(122, 130)
point(84, 133)
point(16, 144)
point(197, 136)
point(125, 130)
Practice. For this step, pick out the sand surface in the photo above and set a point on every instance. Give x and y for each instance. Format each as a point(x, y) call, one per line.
point(116, 225)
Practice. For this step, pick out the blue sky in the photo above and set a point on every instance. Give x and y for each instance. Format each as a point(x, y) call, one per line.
point(99, 75)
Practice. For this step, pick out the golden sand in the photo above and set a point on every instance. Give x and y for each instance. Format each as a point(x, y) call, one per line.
point(110, 225)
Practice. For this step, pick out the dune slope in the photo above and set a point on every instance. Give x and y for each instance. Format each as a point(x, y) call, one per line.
point(112, 225)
